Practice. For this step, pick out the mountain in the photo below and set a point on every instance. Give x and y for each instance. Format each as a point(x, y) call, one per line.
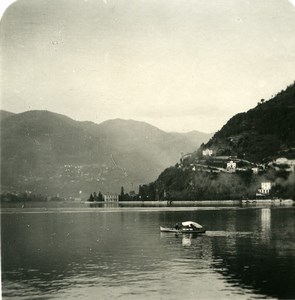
point(49, 153)
point(262, 133)
point(252, 147)
point(195, 136)
point(5, 114)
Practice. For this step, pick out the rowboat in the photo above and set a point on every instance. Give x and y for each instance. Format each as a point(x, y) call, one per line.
point(187, 227)
point(182, 230)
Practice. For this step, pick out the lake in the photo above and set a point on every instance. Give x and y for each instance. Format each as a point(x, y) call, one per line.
point(75, 251)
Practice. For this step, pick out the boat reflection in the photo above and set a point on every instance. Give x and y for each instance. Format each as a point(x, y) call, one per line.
point(187, 240)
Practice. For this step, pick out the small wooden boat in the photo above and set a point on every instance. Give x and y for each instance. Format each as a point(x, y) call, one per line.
point(182, 230)
point(187, 227)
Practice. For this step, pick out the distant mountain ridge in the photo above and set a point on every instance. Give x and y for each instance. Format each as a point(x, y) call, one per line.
point(5, 114)
point(52, 154)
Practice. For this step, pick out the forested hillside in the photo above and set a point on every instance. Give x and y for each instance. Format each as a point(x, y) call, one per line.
point(251, 148)
point(262, 133)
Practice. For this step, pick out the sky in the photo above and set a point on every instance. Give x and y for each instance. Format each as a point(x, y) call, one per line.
point(180, 65)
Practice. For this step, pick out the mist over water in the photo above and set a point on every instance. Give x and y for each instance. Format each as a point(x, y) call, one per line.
point(91, 253)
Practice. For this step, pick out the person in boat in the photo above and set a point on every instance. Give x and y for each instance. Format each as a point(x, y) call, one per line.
point(193, 227)
point(177, 227)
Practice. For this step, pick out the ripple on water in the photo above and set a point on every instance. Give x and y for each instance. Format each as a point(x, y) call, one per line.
point(140, 263)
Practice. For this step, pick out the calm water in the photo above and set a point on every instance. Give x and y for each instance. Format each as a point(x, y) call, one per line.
point(118, 253)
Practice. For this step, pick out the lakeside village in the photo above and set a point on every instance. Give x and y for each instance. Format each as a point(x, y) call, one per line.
point(204, 165)
point(208, 163)
point(264, 187)
point(272, 180)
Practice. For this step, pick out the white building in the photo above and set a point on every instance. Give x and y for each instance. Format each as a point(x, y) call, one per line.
point(281, 161)
point(255, 170)
point(111, 198)
point(291, 163)
point(207, 152)
point(265, 188)
point(286, 161)
point(231, 166)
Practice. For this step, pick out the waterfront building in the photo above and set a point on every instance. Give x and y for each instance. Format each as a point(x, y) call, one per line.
point(111, 198)
point(265, 188)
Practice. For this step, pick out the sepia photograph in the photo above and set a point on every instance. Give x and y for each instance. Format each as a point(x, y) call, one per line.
point(147, 149)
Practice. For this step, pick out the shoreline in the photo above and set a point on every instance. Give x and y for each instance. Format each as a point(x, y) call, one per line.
point(146, 206)
point(197, 202)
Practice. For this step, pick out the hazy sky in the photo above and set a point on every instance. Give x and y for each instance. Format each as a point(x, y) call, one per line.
point(180, 65)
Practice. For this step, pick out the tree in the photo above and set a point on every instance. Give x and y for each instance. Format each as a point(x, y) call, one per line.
point(95, 198)
point(100, 197)
point(122, 195)
point(91, 199)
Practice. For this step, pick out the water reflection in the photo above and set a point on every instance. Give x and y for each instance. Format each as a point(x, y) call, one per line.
point(245, 253)
point(265, 224)
point(186, 241)
point(256, 260)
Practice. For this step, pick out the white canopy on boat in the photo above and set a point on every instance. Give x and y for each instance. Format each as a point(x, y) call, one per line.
point(188, 223)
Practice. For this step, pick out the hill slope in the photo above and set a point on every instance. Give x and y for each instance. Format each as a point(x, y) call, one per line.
point(264, 132)
point(249, 142)
point(50, 153)
point(5, 114)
